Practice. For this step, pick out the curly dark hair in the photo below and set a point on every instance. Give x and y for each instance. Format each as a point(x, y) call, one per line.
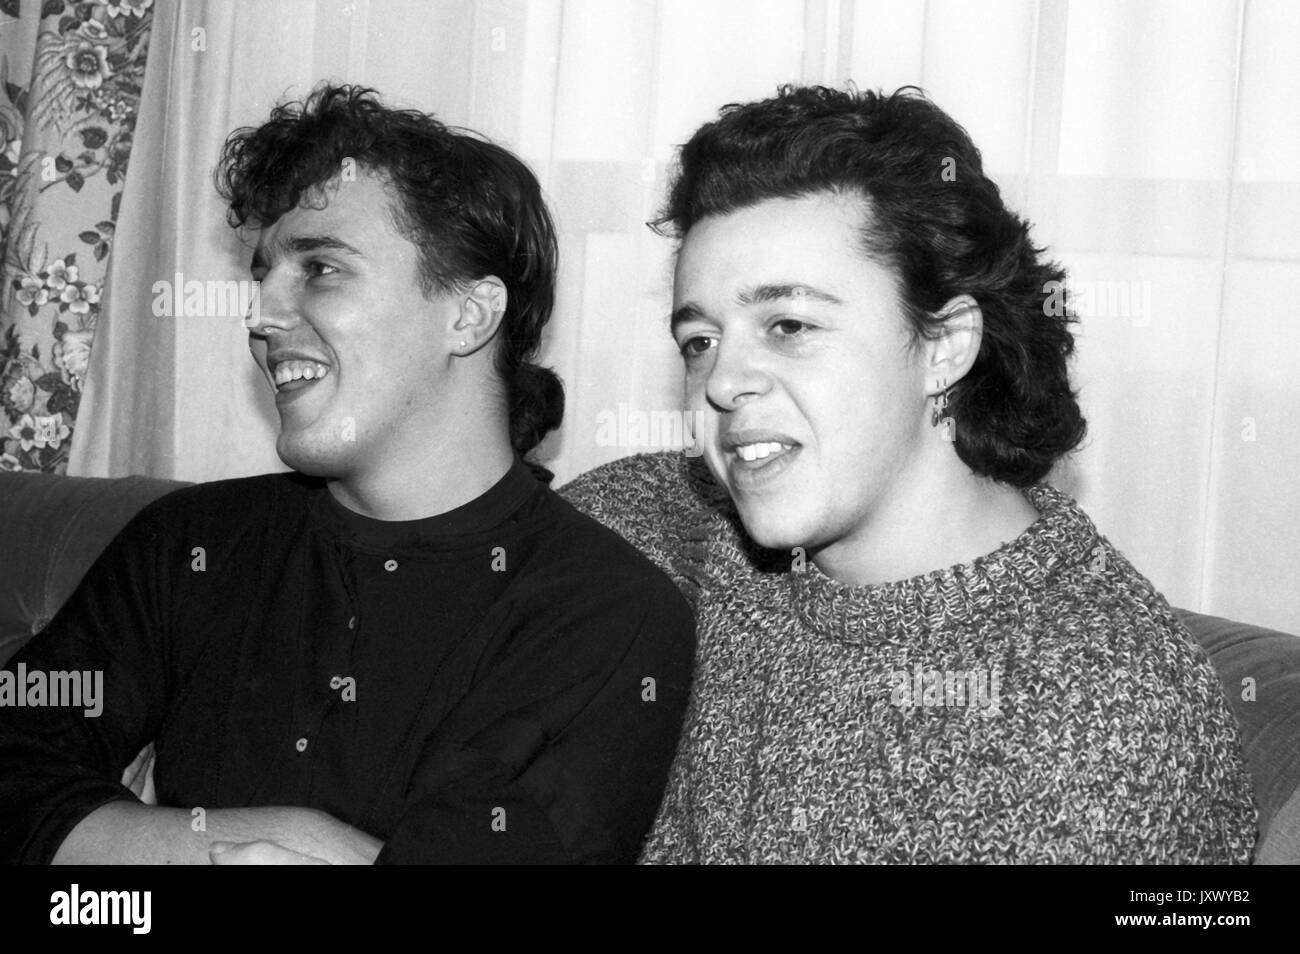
point(469, 206)
point(944, 235)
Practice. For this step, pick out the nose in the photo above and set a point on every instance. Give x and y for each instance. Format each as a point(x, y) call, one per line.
point(273, 307)
point(271, 310)
point(737, 374)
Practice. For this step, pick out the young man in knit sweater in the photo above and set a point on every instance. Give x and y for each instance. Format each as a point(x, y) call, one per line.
point(910, 648)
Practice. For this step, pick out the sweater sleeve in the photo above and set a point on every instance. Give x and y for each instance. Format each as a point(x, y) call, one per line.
point(1127, 752)
point(61, 761)
point(560, 752)
point(1179, 792)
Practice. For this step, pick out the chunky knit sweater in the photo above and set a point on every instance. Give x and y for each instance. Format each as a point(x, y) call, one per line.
point(1040, 704)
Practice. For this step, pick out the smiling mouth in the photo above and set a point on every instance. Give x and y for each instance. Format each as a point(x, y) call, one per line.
point(297, 375)
point(752, 466)
point(761, 450)
point(300, 384)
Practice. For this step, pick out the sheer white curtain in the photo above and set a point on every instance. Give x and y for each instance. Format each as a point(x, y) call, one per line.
point(1152, 143)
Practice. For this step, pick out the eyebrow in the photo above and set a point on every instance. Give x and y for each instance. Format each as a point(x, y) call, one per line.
point(758, 295)
point(299, 245)
point(769, 293)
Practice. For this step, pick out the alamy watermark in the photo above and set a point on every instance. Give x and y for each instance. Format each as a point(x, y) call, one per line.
point(630, 428)
point(192, 298)
point(77, 689)
point(75, 906)
point(978, 689)
point(1099, 299)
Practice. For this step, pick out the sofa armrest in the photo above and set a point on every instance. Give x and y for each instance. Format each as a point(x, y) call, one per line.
point(1260, 672)
point(1282, 844)
point(52, 529)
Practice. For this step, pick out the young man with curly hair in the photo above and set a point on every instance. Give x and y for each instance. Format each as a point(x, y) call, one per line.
point(911, 648)
point(408, 649)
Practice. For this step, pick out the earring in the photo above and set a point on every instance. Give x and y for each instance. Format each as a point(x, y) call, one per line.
point(939, 414)
point(462, 344)
point(940, 403)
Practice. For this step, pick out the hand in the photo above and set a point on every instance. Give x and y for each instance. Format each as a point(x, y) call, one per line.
point(258, 853)
point(138, 776)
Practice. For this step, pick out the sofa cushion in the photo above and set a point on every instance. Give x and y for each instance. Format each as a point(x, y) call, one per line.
point(51, 531)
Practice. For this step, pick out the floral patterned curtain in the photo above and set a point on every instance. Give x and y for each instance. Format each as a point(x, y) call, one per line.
point(70, 80)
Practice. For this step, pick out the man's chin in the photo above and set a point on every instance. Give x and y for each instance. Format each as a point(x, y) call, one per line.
point(314, 461)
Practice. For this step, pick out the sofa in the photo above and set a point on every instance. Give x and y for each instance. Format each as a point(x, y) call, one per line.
point(52, 529)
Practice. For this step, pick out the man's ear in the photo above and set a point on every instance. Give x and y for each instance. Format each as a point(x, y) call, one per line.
point(482, 306)
point(950, 354)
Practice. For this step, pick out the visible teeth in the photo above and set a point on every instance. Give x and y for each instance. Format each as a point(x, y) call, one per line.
point(293, 370)
point(760, 450)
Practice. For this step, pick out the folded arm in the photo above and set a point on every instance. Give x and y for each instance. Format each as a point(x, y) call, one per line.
point(60, 794)
point(127, 832)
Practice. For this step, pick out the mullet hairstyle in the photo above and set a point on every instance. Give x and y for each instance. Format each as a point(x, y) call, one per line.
point(944, 235)
point(470, 207)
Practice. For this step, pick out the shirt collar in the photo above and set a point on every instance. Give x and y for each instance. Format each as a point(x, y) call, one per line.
point(483, 513)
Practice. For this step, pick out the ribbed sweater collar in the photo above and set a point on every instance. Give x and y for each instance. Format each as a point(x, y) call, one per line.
point(1014, 574)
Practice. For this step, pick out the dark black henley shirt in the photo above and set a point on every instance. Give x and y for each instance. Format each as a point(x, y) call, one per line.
point(504, 682)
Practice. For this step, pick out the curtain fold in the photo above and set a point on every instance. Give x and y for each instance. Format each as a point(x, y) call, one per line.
point(1152, 145)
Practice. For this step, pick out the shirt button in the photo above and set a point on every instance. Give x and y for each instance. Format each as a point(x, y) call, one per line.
point(390, 565)
point(302, 745)
point(352, 623)
point(336, 683)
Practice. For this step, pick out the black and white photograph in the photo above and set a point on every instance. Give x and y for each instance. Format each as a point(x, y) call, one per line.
point(555, 432)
